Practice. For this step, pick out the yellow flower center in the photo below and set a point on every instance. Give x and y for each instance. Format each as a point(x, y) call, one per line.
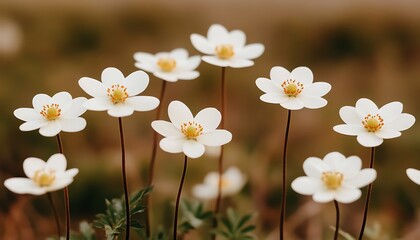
point(373, 123)
point(166, 64)
point(191, 130)
point(44, 178)
point(51, 111)
point(118, 93)
point(225, 183)
point(224, 51)
point(332, 180)
point(292, 88)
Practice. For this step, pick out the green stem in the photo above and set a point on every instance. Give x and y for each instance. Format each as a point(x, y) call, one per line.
point(284, 187)
point(124, 177)
point(369, 192)
point(337, 220)
point(178, 197)
point(66, 193)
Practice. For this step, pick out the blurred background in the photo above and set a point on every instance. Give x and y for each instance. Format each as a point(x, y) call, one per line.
point(362, 48)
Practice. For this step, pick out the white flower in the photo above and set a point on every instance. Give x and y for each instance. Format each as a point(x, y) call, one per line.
point(226, 49)
point(169, 66)
point(232, 183)
point(371, 125)
point(42, 176)
point(333, 178)
point(293, 90)
point(414, 175)
point(189, 134)
point(116, 94)
point(53, 114)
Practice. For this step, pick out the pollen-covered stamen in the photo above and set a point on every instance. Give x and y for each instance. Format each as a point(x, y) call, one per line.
point(225, 183)
point(292, 88)
point(224, 51)
point(166, 64)
point(118, 93)
point(332, 180)
point(44, 177)
point(373, 123)
point(191, 130)
point(51, 111)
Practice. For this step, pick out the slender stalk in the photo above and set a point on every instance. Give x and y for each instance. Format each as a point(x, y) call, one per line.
point(369, 192)
point(57, 219)
point(284, 187)
point(124, 177)
point(66, 193)
point(178, 197)
point(337, 220)
point(153, 158)
point(222, 124)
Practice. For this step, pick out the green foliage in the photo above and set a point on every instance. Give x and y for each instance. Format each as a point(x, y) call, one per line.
point(193, 216)
point(235, 227)
point(113, 220)
point(86, 232)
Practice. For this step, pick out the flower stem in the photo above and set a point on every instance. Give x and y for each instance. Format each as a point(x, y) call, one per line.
point(153, 158)
point(369, 192)
point(337, 220)
point(126, 197)
point(66, 193)
point(178, 197)
point(284, 187)
point(57, 219)
point(222, 125)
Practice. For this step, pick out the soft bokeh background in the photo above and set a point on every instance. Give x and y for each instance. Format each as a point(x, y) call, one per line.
point(362, 48)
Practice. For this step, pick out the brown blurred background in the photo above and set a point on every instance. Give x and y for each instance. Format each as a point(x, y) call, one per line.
point(362, 48)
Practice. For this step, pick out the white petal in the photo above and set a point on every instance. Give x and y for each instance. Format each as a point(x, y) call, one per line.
point(170, 77)
point(98, 104)
point(368, 139)
point(251, 51)
point(190, 64)
point(51, 129)
point(32, 125)
point(350, 115)
point(209, 119)
point(350, 167)
point(188, 75)
point(279, 74)
point(59, 183)
point(349, 129)
point(72, 124)
point(203, 191)
point(120, 110)
point(240, 63)
point(335, 160)
point(317, 89)
point(144, 57)
point(31, 165)
point(217, 34)
point(75, 108)
point(40, 100)
point(172, 144)
point(136, 82)
point(215, 138)
point(314, 167)
point(62, 98)
point(293, 103)
point(303, 75)
point(414, 175)
point(237, 38)
point(347, 195)
point(387, 133)
point(23, 186)
point(323, 196)
point(57, 162)
point(274, 98)
point(363, 178)
point(390, 111)
point(142, 103)
point(166, 129)
point(179, 53)
point(27, 114)
point(111, 76)
point(179, 113)
point(313, 102)
point(216, 61)
point(365, 106)
point(202, 44)
point(92, 87)
point(147, 67)
point(267, 86)
point(306, 185)
point(193, 149)
point(403, 122)
point(71, 173)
